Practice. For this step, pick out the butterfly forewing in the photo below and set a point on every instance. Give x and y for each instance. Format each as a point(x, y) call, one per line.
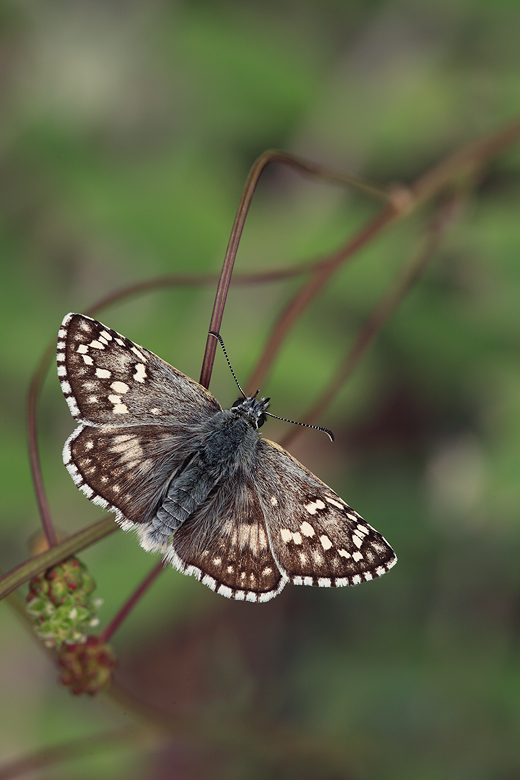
point(109, 380)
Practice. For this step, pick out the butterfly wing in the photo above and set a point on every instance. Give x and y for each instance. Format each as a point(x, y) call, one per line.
point(225, 544)
point(275, 522)
point(126, 470)
point(139, 416)
point(108, 380)
point(315, 537)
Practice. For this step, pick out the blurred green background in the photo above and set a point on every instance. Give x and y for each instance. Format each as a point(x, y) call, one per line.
point(127, 131)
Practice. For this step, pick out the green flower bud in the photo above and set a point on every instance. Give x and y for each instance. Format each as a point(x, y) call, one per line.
point(60, 604)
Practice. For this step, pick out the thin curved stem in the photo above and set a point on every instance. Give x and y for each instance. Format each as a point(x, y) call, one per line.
point(310, 290)
point(70, 546)
point(382, 312)
point(303, 166)
point(132, 601)
point(34, 456)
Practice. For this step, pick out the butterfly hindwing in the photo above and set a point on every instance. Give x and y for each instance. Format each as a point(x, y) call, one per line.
point(125, 469)
point(227, 547)
point(316, 538)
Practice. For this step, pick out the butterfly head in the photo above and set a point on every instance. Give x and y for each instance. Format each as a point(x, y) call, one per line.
point(252, 409)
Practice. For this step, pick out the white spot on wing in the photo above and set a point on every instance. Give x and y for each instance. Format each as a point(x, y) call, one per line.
point(138, 353)
point(103, 373)
point(120, 387)
point(286, 535)
point(313, 507)
point(209, 581)
point(325, 542)
point(74, 409)
point(140, 372)
point(307, 529)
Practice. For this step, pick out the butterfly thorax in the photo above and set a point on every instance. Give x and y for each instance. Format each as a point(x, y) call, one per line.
point(229, 440)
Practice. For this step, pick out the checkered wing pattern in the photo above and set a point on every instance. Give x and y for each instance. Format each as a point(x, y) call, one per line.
point(198, 483)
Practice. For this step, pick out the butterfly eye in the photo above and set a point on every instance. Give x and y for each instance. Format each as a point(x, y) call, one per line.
point(261, 420)
point(238, 402)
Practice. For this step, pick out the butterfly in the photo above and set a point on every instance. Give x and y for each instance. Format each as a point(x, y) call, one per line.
point(197, 482)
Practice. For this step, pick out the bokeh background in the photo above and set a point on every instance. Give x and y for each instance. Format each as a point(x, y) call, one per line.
point(127, 131)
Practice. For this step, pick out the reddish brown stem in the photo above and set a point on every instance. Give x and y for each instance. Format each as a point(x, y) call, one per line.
point(381, 314)
point(34, 457)
point(132, 601)
point(70, 546)
point(310, 290)
point(238, 226)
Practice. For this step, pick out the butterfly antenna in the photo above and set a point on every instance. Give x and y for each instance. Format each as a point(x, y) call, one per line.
point(283, 419)
point(305, 425)
point(221, 342)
